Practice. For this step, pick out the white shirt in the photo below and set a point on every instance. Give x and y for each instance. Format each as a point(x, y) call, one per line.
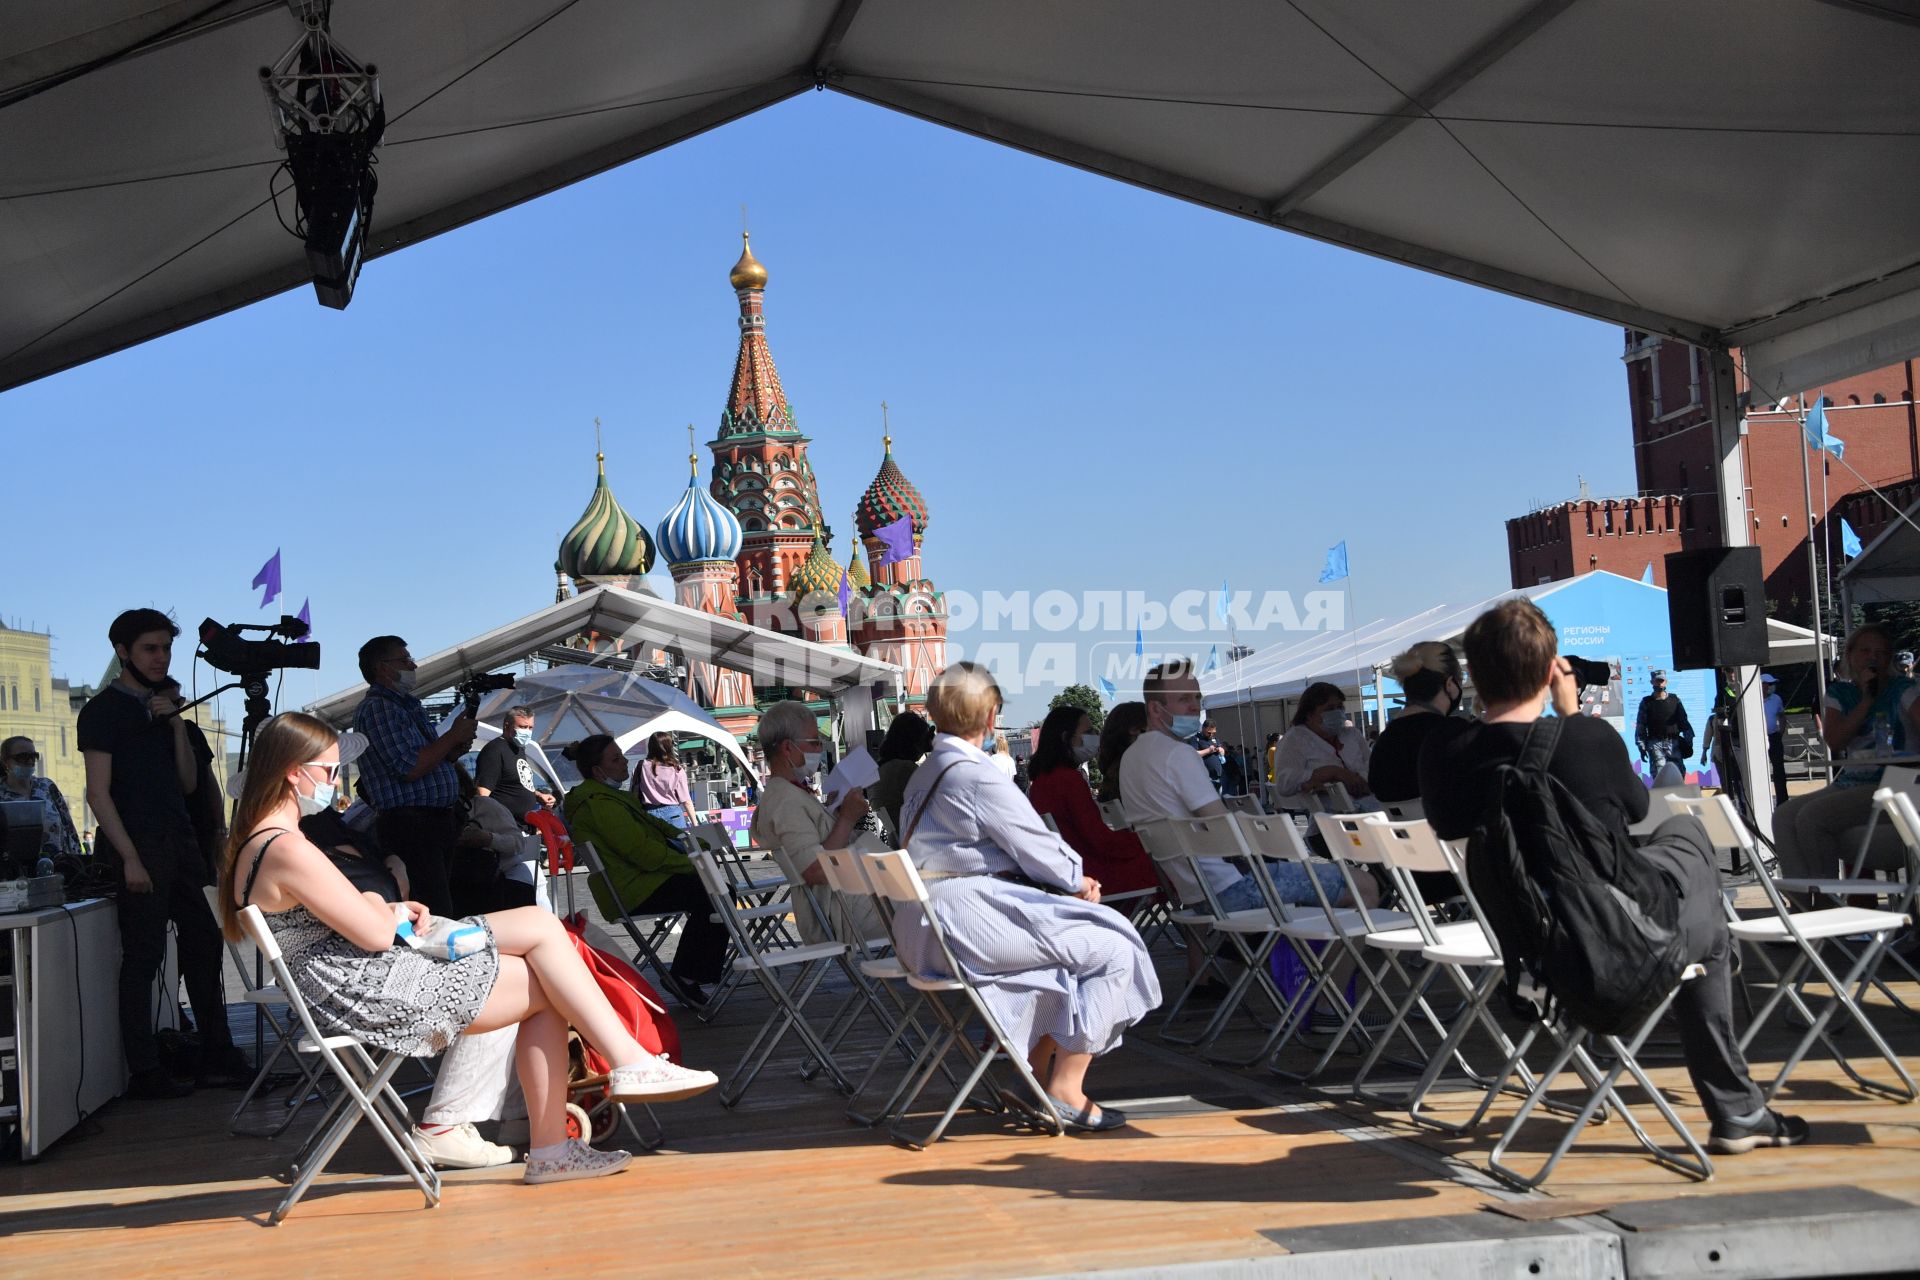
point(1162, 777)
point(1302, 751)
point(1004, 763)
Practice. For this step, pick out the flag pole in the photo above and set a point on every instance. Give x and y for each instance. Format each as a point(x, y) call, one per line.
point(1813, 575)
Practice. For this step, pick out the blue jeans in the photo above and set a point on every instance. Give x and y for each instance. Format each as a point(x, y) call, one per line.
point(676, 814)
point(1290, 878)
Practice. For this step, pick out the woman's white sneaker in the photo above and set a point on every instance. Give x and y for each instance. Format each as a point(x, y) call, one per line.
point(460, 1147)
point(657, 1080)
point(580, 1161)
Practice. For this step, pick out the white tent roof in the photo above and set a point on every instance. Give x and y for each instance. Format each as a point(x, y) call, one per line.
point(1720, 171)
point(1349, 658)
point(1888, 568)
point(649, 622)
point(571, 703)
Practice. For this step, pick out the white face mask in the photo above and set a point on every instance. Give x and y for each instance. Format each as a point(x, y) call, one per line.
point(810, 762)
point(319, 802)
point(1087, 748)
point(404, 681)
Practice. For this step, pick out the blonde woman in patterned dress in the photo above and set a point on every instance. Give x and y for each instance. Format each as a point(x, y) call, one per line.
point(359, 980)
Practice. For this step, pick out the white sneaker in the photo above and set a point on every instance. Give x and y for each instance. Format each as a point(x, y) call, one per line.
point(580, 1161)
point(657, 1080)
point(460, 1147)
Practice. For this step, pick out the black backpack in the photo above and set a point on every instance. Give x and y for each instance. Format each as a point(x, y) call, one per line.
point(1572, 904)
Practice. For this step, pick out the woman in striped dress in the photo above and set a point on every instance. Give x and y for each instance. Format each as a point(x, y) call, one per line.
point(1060, 973)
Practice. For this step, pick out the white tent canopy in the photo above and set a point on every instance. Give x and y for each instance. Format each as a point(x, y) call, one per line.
point(633, 619)
point(571, 703)
point(1720, 171)
point(1349, 659)
point(1888, 568)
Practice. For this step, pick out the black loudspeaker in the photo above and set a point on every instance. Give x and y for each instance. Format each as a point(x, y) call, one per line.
point(1717, 608)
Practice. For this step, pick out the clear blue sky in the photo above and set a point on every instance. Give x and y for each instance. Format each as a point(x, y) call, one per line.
point(1095, 387)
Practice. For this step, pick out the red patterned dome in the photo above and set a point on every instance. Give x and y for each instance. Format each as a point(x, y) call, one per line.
point(890, 496)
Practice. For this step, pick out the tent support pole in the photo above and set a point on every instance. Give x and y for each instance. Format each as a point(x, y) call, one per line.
point(1736, 530)
point(1813, 583)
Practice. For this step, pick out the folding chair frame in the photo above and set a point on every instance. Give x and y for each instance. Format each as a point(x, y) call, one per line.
point(366, 1089)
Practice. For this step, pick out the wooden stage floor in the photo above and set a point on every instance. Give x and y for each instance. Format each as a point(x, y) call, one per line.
point(1222, 1173)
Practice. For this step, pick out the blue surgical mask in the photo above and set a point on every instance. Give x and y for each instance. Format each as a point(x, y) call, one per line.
point(1186, 726)
point(523, 735)
point(319, 802)
point(986, 742)
point(1333, 721)
point(20, 772)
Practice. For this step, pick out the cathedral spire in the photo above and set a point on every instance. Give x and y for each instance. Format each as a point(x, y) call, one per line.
point(757, 402)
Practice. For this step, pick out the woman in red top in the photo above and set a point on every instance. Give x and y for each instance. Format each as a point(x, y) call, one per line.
point(1059, 790)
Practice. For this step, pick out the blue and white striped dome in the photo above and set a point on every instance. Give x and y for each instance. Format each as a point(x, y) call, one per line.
point(698, 528)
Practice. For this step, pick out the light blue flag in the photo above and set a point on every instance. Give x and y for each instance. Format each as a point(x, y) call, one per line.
point(1647, 577)
point(1818, 436)
point(1213, 659)
point(1336, 566)
point(1224, 605)
point(1849, 540)
point(1139, 643)
point(1107, 690)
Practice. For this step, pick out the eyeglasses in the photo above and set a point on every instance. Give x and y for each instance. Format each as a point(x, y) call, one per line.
point(26, 757)
point(332, 767)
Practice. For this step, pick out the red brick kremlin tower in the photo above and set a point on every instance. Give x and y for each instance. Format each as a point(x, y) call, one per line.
point(760, 467)
point(902, 617)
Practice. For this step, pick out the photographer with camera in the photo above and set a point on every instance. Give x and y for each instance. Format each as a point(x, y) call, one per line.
point(141, 771)
point(408, 771)
point(1662, 732)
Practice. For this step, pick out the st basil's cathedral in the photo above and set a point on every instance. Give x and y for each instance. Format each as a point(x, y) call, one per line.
point(753, 543)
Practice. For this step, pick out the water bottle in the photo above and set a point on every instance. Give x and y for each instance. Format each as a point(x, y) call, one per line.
point(1883, 735)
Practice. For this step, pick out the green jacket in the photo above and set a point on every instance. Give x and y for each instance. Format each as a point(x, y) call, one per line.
point(638, 849)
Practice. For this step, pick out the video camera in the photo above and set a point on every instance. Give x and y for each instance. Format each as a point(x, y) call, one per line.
point(1589, 673)
point(226, 649)
point(473, 688)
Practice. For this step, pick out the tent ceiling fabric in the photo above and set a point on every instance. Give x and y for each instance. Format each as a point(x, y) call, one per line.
point(1718, 171)
point(647, 622)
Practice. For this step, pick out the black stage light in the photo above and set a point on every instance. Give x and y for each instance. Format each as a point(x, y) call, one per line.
point(329, 118)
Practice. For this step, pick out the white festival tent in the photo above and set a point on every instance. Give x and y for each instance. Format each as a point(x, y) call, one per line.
point(1729, 173)
point(1352, 658)
point(633, 618)
point(1887, 570)
point(573, 702)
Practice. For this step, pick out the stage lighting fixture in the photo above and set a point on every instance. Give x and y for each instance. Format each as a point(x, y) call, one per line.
point(329, 119)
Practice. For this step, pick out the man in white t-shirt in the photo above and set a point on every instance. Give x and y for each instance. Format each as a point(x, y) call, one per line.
point(1162, 777)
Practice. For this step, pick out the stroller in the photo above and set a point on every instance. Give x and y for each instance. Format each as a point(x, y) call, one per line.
point(591, 1116)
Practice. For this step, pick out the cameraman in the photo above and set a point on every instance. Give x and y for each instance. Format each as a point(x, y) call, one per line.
point(408, 772)
point(140, 772)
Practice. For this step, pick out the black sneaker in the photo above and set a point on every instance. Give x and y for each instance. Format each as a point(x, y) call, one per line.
point(156, 1083)
point(1771, 1130)
point(228, 1070)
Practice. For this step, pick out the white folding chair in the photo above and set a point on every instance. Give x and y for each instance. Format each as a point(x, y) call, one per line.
point(808, 963)
point(1809, 932)
point(1389, 933)
point(1403, 810)
point(366, 1088)
point(1248, 804)
point(1114, 814)
point(1464, 951)
point(264, 998)
point(1602, 1095)
point(894, 877)
point(1657, 810)
point(1182, 850)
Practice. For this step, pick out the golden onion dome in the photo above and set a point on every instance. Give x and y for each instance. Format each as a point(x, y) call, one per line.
point(857, 571)
point(747, 273)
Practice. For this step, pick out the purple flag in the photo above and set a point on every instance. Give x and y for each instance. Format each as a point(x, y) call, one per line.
point(269, 578)
point(899, 539)
point(846, 590)
point(306, 615)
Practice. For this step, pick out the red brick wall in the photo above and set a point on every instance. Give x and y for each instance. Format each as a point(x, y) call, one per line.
point(1875, 414)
